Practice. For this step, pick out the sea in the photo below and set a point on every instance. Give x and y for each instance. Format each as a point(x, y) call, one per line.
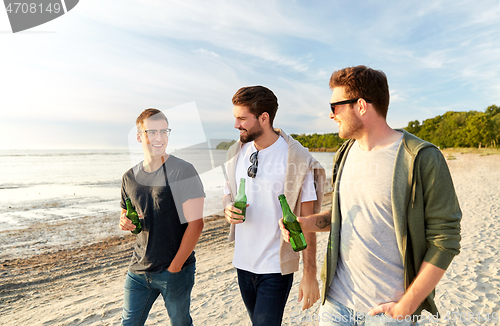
point(52, 185)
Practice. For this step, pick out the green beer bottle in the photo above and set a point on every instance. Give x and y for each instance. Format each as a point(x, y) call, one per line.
point(133, 216)
point(297, 239)
point(240, 201)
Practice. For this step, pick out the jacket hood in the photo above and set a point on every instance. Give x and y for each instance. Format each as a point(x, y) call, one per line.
point(414, 144)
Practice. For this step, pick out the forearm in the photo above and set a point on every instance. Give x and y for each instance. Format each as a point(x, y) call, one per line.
point(309, 287)
point(426, 280)
point(319, 222)
point(309, 254)
point(188, 243)
point(193, 212)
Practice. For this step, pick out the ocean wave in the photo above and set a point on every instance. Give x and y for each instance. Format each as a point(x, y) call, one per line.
point(111, 152)
point(101, 184)
point(60, 154)
point(59, 203)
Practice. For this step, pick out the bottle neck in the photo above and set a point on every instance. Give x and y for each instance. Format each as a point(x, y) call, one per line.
point(129, 205)
point(284, 204)
point(241, 190)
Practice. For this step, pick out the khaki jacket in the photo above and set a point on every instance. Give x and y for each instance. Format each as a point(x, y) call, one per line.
point(425, 208)
point(299, 162)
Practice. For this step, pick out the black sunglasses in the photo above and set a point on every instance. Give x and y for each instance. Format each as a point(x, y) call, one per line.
point(354, 100)
point(252, 169)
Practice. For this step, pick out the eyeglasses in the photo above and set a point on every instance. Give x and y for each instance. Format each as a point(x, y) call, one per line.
point(252, 169)
point(354, 100)
point(153, 133)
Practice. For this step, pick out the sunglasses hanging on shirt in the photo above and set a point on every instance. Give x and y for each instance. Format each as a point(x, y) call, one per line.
point(252, 169)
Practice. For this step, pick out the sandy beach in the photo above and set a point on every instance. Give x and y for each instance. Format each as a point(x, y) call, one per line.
point(62, 280)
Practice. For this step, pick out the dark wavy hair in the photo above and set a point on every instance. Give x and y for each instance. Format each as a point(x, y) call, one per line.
point(366, 83)
point(258, 99)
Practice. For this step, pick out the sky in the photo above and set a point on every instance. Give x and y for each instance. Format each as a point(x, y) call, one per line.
point(81, 80)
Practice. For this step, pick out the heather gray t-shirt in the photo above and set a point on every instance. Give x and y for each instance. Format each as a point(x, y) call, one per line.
point(369, 270)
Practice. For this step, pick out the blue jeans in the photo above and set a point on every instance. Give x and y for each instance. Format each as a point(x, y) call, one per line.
point(335, 313)
point(141, 291)
point(265, 296)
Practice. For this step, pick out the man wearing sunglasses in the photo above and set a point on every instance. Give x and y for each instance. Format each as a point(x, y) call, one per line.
point(395, 220)
point(168, 195)
point(272, 163)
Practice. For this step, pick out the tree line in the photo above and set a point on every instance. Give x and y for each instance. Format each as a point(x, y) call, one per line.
point(320, 142)
point(460, 129)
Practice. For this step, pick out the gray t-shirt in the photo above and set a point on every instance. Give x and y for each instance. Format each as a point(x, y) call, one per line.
point(159, 198)
point(369, 270)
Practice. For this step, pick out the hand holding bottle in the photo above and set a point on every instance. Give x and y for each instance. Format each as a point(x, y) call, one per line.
point(125, 223)
point(285, 232)
point(233, 214)
point(132, 214)
point(289, 220)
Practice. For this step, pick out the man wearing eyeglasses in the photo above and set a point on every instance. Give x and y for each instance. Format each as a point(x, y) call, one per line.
point(272, 163)
point(168, 195)
point(395, 220)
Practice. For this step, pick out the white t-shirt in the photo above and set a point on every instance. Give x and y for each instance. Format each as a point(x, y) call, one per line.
point(257, 240)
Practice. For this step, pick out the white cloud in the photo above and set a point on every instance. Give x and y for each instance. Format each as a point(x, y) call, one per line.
point(206, 52)
point(106, 61)
point(397, 96)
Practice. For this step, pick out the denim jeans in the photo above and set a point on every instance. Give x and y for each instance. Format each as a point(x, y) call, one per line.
point(265, 296)
point(335, 313)
point(141, 291)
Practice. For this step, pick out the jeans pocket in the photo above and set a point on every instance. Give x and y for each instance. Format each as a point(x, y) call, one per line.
point(133, 280)
point(179, 282)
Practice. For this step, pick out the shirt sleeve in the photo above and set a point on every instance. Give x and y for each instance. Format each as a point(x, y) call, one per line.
point(308, 190)
point(185, 184)
point(191, 185)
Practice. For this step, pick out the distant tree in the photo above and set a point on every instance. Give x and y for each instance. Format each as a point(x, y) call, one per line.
point(413, 127)
point(316, 141)
point(225, 145)
point(492, 110)
point(479, 130)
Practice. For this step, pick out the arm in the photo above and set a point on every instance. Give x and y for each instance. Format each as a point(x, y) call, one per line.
point(441, 211)
point(309, 288)
point(229, 210)
point(427, 279)
point(313, 223)
point(193, 211)
point(320, 222)
point(442, 233)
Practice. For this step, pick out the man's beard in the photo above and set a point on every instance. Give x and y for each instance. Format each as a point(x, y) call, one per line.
point(251, 135)
point(350, 127)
